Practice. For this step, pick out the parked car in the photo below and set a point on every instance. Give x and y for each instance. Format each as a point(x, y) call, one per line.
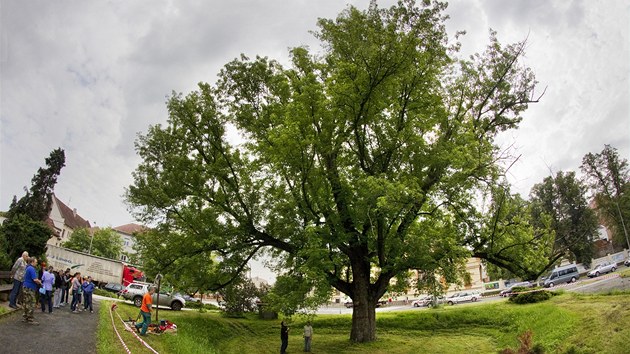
point(462, 297)
point(602, 268)
point(564, 274)
point(135, 292)
point(349, 304)
point(189, 298)
point(113, 288)
point(507, 292)
point(423, 301)
point(436, 300)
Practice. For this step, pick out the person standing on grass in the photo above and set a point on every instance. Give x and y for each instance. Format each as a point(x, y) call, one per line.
point(75, 285)
point(47, 283)
point(88, 289)
point(284, 337)
point(17, 273)
point(308, 335)
point(145, 310)
point(58, 289)
point(29, 288)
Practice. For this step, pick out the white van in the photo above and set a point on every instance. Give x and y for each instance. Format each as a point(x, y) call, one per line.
point(565, 274)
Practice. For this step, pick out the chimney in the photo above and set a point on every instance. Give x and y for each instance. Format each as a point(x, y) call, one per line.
point(74, 212)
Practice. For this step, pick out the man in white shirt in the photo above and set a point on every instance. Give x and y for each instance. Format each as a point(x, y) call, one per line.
point(308, 335)
point(17, 272)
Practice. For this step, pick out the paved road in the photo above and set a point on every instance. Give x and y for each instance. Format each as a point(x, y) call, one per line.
point(59, 332)
point(585, 285)
point(603, 285)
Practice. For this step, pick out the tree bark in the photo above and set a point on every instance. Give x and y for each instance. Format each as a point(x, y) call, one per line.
point(363, 320)
point(363, 305)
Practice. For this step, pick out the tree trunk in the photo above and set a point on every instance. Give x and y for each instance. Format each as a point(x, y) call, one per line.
point(364, 307)
point(363, 321)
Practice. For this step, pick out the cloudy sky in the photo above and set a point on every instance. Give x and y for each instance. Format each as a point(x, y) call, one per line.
point(88, 76)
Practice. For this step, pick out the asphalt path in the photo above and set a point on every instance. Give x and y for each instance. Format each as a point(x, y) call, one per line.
point(58, 332)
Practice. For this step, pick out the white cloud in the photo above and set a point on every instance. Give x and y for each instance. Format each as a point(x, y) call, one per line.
point(88, 76)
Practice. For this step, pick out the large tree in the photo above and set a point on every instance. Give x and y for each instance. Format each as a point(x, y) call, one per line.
point(559, 202)
point(356, 165)
point(103, 242)
point(25, 228)
point(608, 177)
point(37, 201)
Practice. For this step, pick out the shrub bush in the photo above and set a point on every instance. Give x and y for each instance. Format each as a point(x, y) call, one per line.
point(526, 345)
point(102, 292)
point(531, 297)
point(200, 305)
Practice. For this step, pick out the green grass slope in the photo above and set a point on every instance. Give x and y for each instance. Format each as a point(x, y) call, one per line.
point(565, 324)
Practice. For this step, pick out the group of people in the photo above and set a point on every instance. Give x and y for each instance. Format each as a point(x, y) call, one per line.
point(51, 286)
point(284, 337)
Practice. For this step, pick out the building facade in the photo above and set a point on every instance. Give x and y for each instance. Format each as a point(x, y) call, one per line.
point(127, 232)
point(63, 221)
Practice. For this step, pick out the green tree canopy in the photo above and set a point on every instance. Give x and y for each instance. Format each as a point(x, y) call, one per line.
point(101, 242)
point(358, 163)
point(560, 203)
point(25, 228)
point(184, 261)
point(25, 234)
point(511, 234)
point(38, 199)
point(608, 177)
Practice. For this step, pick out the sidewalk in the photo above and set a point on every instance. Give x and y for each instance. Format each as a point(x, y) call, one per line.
point(58, 332)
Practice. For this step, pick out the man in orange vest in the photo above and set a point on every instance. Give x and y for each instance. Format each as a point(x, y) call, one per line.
point(145, 310)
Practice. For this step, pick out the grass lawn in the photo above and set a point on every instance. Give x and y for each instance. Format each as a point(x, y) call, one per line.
point(567, 323)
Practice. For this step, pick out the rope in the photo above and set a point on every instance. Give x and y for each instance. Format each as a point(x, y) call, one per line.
point(135, 334)
point(116, 330)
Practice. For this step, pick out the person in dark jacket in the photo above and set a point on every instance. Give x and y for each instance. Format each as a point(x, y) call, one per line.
point(65, 287)
point(284, 337)
point(58, 289)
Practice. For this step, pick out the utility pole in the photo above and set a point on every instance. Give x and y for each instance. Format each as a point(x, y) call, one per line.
point(91, 239)
point(623, 224)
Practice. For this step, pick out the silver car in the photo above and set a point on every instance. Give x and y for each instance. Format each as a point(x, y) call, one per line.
point(135, 292)
point(462, 297)
point(602, 268)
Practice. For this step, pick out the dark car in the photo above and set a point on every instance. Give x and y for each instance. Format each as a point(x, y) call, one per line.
point(113, 288)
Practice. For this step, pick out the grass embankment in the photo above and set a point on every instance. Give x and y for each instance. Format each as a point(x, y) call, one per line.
point(625, 273)
point(566, 323)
